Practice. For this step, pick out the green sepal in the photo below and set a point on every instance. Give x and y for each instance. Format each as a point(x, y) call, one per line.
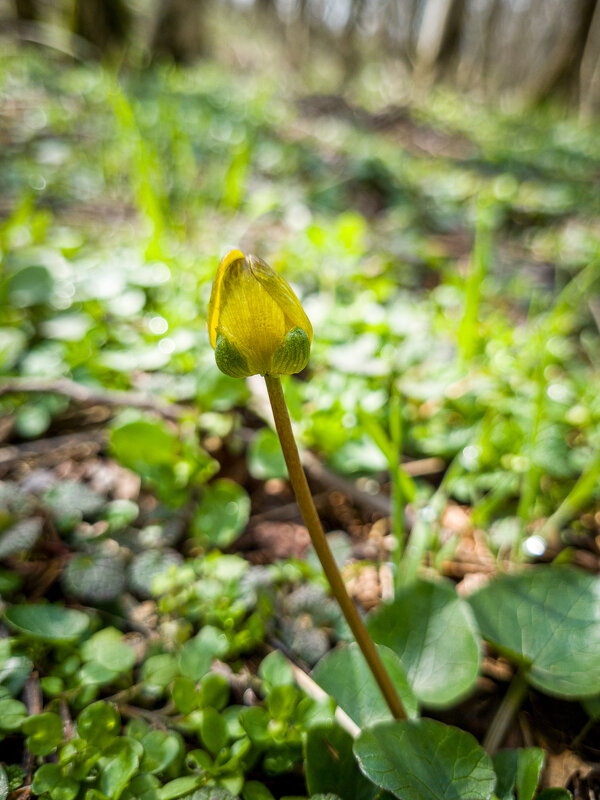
point(292, 356)
point(229, 359)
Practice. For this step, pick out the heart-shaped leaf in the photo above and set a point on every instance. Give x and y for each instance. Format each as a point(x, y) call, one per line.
point(222, 514)
point(50, 623)
point(425, 760)
point(331, 766)
point(549, 620)
point(431, 630)
point(344, 674)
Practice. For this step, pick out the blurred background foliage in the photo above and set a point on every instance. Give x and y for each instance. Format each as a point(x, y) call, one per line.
point(446, 250)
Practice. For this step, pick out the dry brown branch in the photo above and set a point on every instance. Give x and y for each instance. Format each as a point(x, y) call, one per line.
point(88, 396)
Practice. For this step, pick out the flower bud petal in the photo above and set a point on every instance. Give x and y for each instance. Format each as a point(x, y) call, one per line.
point(255, 321)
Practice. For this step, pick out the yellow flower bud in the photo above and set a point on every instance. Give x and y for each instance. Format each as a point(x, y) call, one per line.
point(256, 324)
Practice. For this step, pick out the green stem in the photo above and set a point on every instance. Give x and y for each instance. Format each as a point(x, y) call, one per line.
point(317, 535)
point(509, 706)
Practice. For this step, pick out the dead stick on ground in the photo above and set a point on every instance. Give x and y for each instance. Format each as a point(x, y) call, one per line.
point(86, 396)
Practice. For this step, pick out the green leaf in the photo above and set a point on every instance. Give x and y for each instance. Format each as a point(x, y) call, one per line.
point(425, 760)
point(222, 513)
point(3, 784)
point(179, 787)
point(198, 653)
point(108, 648)
point(50, 778)
point(95, 577)
point(254, 790)
point(14, 672)
point(520, 769)
point(147, 566)
point(213, 730)
point(99, 724)
point(344, 674)
point(49, 623)
point(331, 765)
point(160, 750)
point(144, 443)
point(44, 733)
point(158, 671)
point(214, 691)
point(555, 794)
point(276, 670)
point(30, 286)
point(431, 630)
point(265, 457)
point(548, 619)
point(184, 694)
point(120, 761)
point(12, 714)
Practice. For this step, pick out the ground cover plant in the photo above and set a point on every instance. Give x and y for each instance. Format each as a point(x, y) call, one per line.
point(161, 605)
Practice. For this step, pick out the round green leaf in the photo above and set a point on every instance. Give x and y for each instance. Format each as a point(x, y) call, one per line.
point(147, 566)
point(344, 674)
point(265, 457)
point(431, 630)
point(425, 760)
point(108, 648)
point(222, 514)
point(44, 733)
point(50, 623)
point(99, 724)
point(94, 577)
point(548, 619)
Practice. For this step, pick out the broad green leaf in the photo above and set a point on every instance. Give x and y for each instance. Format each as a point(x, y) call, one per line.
point(214, 691)
point(50, 623)
point(184, 694)
point(520, 770)
point(265, 457)
point(160, 750)
point(120, 761)
point(44, 733)
point(431, 630)
point(108, 649)
point(99, 724)
point(12, 714)
point(3, 784)
point(554, 794)
point(276, 670)
point(425, 760)
point(331, 765)
point(158, 671)
point(344, 674)
point(50, 778)
point(222, 513)
point(549, 620)
point(197, 654)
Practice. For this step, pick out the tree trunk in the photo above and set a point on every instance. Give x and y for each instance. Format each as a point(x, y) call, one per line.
point(179, 31)
point(104, 23)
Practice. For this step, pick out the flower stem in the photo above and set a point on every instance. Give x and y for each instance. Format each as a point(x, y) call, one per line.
point(317, 535)
point(509, 706)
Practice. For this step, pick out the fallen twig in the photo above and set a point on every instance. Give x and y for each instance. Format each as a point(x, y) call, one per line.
point(53, 449)
point(85, 395)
